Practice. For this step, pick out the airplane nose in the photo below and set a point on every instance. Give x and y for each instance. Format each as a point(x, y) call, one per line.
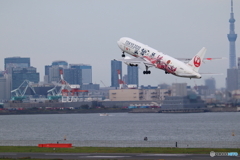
point(119, 44)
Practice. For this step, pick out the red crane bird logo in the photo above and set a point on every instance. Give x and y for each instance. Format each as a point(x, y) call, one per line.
point(197, 61)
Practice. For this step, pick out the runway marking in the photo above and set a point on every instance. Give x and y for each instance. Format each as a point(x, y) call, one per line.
point(69, 154)
point(167, 155)
point(107, 156)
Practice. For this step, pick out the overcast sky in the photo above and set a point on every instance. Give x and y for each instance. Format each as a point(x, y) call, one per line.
point(86, 31)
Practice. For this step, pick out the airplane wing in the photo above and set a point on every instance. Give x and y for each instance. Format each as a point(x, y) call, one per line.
point(134, 61)
point(186, 75)
point(204, 59)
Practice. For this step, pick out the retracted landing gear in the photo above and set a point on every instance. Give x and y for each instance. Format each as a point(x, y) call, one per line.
point(147, 71)
point(123, 55)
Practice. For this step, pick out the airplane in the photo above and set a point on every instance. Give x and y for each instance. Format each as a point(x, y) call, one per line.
point(150, 57)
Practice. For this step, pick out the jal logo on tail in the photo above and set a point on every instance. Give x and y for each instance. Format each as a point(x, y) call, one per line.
point(197, 61)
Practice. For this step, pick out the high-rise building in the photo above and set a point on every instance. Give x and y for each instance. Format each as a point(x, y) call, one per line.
point(62, 64)
point(232, 79)
point(52, 72)
point(3, 95)
point(46, 76)
point(20, 74)
point(232, 38)
point(73, 75)
point(115, 66)
point(18, 69)
point(132, 72)
point(211, 84)
point(13, 62)
point(85, 72)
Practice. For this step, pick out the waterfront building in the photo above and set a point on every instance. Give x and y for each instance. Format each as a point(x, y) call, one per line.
point(156, 94)
point(124, 95)
point(115, 66)
point(179, 89)
point(138, 94)
point(183, 102)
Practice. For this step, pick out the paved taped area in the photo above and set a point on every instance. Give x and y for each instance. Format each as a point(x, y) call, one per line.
point(115, 156)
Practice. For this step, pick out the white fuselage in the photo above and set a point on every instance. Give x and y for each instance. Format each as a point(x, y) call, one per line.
point(156, 58)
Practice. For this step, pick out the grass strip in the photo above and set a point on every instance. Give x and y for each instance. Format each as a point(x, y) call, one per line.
point(117, 150)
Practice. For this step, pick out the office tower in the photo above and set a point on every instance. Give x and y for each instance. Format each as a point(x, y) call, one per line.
point(232, 38)
point(83, 73)
point(19, 69)
point(5, 87)
point(47, 69)
point(132, 72)
point(46, 76)
point(2, 88)
point(73, 75)
point(13, 62)
point(61, 64)
point(20, 74)
point(211, 84)
point(52, 72)
point(232, 79)
point(115, 66)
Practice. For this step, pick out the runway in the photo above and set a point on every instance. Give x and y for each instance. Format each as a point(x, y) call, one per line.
point(115, 156)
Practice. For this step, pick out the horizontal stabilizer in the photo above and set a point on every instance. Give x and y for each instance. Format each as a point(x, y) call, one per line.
point(204, 59)
point(212, 73)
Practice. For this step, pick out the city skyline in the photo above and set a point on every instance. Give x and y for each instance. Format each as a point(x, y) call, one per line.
point(53, 30)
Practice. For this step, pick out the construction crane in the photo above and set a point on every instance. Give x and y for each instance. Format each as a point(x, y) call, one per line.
point(53, 94)
point(19, 94)
point(67, 91)
point(120, 81)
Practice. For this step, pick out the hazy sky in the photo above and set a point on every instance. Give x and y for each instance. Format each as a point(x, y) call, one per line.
point(86, 31)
